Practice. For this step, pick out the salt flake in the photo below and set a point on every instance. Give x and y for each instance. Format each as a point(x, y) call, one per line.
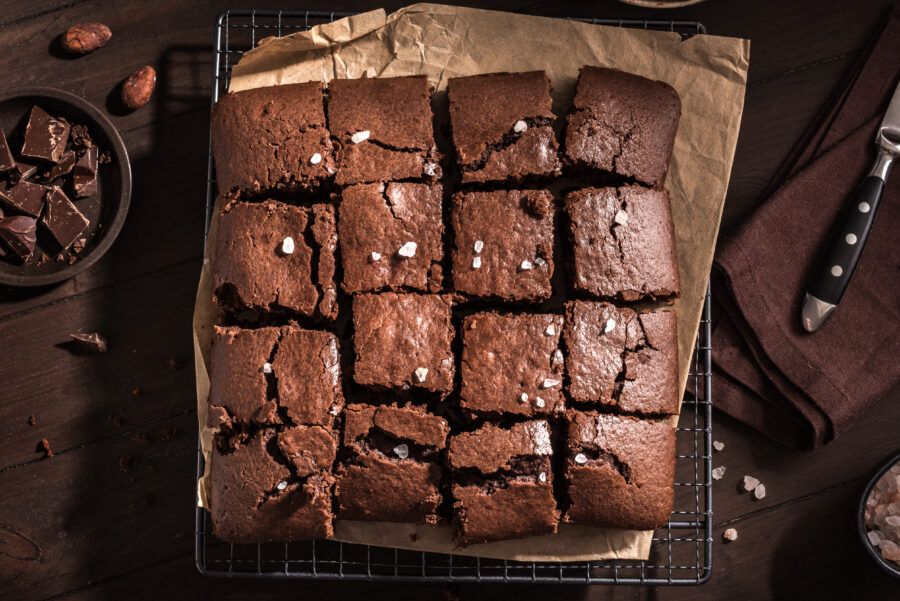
point(287, 246)
point(360, 136)
point(408, 250)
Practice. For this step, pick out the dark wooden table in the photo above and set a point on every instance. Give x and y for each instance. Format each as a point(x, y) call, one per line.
point(110, 515)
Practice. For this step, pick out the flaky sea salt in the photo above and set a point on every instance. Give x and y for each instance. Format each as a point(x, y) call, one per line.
point(526, 265)
point(542, 476)
point(621, 217)
point(287, 246)
point(882, 515)
point(476, 263)
point(282, 485)
point(539, 402)
point(479, 246)
point(523, 397)
point(421, 373)
point(401, 451)
point(267, 368)
point(580, 458)
point(360, 136)
point(730, 535)
point(718, 472)
point(717, 445)
point(408, 250)
point(759, 492)
point(551, 330)
point(375, 256)
point(520, 126)
point(549, 383)
point(750, 483)
point(430, 169)
point(610, 325)
point(315, 159)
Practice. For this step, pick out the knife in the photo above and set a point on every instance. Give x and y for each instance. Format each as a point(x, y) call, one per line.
point(839, 258)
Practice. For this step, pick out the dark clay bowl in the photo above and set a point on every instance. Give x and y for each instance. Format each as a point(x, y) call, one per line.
point(106, 210)
point(888, 566)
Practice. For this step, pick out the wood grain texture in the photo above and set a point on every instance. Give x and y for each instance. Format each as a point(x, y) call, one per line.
point(110, 515)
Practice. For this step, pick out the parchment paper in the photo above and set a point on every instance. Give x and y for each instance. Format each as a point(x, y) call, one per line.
point(439, 41)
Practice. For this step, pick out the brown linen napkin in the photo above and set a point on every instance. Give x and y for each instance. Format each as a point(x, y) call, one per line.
point(804, 389)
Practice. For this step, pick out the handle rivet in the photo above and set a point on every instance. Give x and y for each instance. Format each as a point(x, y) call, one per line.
point(850, 238)
point(864, 207)
point(836, 271)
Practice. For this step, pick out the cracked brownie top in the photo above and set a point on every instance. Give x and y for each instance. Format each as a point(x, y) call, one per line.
point(616, 356)
point(619, 470)
point(382, 129)
point(502, 126)
point(623, 123)
point(623, 243)
point(275, 257)
point(391, 236)
point(271, 138)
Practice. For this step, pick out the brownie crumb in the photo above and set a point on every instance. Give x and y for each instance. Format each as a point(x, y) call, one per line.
point(171, 433)
point(93, 342)
point(44, 447)
point(136, 393)
point(32, 420)
point(176, 363)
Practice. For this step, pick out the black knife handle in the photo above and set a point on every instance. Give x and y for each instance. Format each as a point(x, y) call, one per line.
point(839, 259)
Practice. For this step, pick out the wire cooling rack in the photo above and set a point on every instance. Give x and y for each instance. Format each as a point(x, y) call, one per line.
point(681, 551)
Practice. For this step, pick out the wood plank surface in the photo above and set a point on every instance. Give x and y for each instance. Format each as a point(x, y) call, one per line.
point(110, 515)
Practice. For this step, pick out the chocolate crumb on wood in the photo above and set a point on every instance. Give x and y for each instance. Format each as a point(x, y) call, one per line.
point(176, 363)
point(92, 342)
point(44, 447)
point(32, 420)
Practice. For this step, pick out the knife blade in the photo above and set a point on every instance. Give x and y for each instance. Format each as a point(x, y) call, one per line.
point(841, 254)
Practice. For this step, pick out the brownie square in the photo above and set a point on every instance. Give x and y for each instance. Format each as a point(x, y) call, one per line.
point(623, 243)
point(382, 129)
point(622, 358)
point(259, 493)
point(623, 123)
point(502, 483)
point(403, 341)
point(392, 472)
point(503, 244)
point(272, 138)
point(503, 126)
point(271, 376)
point(275, 257)
point(391, 236)
point(620, 471)
point(511, 364)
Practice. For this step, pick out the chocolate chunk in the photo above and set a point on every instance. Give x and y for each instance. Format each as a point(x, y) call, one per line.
point(85, 174)
point(61, 217)
point(44, 447)
point(18, 233)
point(93, 342)
point(80, 137)
point(7, 162)
point(45, 137)
point(24, 197)
point(64, 166)
point(25, 168)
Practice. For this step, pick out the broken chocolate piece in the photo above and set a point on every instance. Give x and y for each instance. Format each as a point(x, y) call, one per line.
point(45, 137)
point(7, 162)
point(25, 168)
point(18, 233)
point(64, 166)
point(93, 342)
point(61, 217)
point(24, 197)
point(85, 174)
point(80, 137)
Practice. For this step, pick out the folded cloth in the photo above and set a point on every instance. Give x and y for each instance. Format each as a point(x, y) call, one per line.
point(803, 389)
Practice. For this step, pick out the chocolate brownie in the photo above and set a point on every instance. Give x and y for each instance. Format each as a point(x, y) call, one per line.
point(503, 244)
point(391, 236)
point(392, 470)
point(271, 137)
point(258, 493)
point(275, 257)
point(623, 123)
point(271, 376)
point(502, 483)
point(620, 471)
point(623, 243)
point(620, 357)
point(382, 129)
point(511, 364)
point(403, 341)
point(503, 126)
